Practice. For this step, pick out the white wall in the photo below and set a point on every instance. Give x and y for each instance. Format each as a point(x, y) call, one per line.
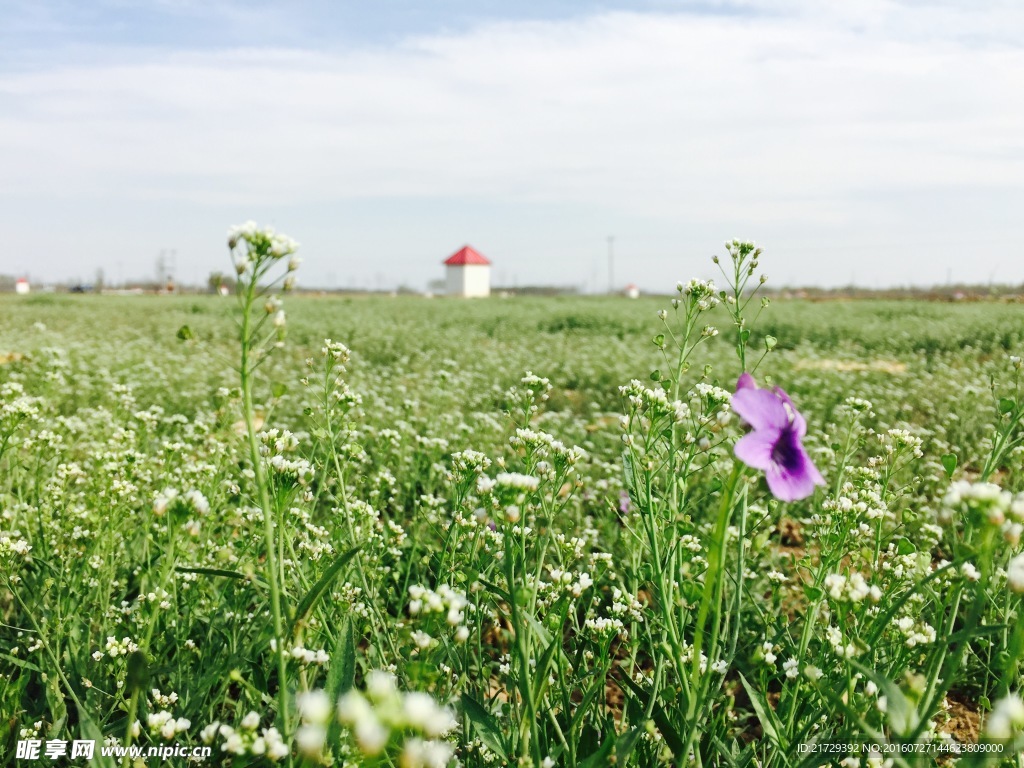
point(469, 280)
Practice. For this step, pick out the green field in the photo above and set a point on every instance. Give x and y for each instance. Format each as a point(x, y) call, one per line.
point(640, 601)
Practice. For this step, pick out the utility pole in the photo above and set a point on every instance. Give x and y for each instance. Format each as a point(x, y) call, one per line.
point(611, 263)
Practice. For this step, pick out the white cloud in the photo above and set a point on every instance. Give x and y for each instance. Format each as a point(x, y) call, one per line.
point(783, 115)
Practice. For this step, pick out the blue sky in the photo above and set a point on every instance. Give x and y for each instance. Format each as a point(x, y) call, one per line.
point(880, 141)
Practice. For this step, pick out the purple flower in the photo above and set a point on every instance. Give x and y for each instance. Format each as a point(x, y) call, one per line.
point(624, 503)
point(774, 443)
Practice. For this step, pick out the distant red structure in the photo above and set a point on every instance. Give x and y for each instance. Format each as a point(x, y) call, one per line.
point(464, 256)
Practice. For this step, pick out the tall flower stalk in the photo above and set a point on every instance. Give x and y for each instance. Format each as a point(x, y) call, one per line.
point(674, 435)
point(256, 253)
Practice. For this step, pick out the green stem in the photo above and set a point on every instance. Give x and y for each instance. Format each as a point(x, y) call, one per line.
point(272, 572)
point(714, 579)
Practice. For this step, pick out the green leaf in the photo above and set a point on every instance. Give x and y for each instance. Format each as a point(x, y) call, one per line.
point(659, 340)
point(137, 676)
point(1006, 405)
point(672, 738)
point(496, 590)
point(185, 333)
point(905, 546)
point(91, 731)
point(341, 676)
point(901, 714)
point(949, 463)
point(318, 589)
point(278, 389)
point(57, 704)
point(656, 375)
point(600, 758)
point(485, 725)
point(770, 342)
point(813, 593)
point(19, 662)
point(540, 683)
point(625, 743)
point(765, 716)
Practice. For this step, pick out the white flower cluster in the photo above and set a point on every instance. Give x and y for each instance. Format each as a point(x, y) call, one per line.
point(573, 583)
point(516, 481)
point(167, 497)
point(470, 462)
point(306, 657)
point(298, 471)
point(916, 632)
point(606, 626)
point(538, 385)
point(115, 648)
point(857, 406)
point(163, 724)
point(536, 389)
point(1007, 718)
point(853, 588)
point(383, 710)
point(444, 600)
point(857, 501)
point(988, 497)
point(653, 403)
point(542, 445)
point(246, 740)
point(841, 648)
point(15, 405)
point(901, 441)
point(625, 604)
point(1015, 574)
point(703, 295)
point(163, 700)
point(336, 351)
point(714, 396)
point(986, 503)
point(278, 245)
point(13, 544)
point(277, 442)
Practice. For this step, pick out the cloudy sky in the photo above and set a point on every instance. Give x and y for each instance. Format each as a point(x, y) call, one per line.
point(879, 141)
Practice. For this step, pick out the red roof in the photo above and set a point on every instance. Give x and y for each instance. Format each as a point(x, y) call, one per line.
point(465, 255)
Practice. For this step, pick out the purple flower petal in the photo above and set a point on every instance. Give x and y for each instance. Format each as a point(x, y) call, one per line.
point(792, 475)
point(761, 409)
point(788, 487)
point(755, 450)
point(798, 421)
point(774, 445)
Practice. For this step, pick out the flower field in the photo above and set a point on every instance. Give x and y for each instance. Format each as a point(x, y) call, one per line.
point(411, 532)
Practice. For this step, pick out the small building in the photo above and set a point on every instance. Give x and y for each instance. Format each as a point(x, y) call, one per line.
point(21, 286)
point(468, 274)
